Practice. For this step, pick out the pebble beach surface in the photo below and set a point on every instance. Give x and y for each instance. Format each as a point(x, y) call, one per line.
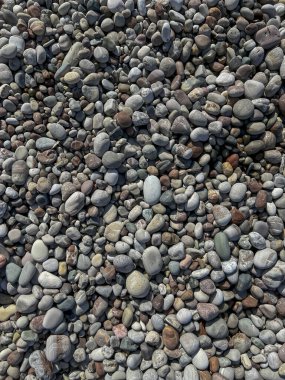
point(142, 177)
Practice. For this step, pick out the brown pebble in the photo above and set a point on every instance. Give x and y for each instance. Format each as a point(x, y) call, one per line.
point(249, 302)
point(170, 337)
point(261, 200)
point(214, 364)
point(15, 358)
point(123, 119)
point(205, 375)
point(157, 302)
point(99, 368)
point(237, 216)
point(254, 186)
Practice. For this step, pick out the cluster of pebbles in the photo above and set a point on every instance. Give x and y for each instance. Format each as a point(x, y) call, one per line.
point(142, 179)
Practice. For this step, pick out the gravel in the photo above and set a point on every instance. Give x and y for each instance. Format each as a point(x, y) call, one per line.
point(142, 187)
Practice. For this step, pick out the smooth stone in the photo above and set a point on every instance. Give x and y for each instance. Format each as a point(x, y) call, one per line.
point(49, 281)
point(52, 318)
point(13, 272)
point(70, 59)
point(75, 203)
point(222, 246)
point(222, 215)
point(43, 368)
point(151, 190)
point(237, 192)
point(217, 328)
point(243, 109)
point(26, 303)
point(265, 258)
point(190, 343)
point(268, 37)
point(248, 328)
point(200, 360)
point(27, 273)
point(39, 251)
point(190, 373)
point(137, 284)
point(113, 230)
point(152, 261)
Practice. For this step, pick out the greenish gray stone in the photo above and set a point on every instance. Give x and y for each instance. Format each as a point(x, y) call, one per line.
point(222, 246)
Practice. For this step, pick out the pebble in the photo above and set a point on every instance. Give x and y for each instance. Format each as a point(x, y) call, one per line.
point(152, 261)
point(52, 318)
point(39, 251)
point(137, 284)
point(222, 246)
point(75, 203)
point(58, 347)
point(151, 190)
point(142, 179)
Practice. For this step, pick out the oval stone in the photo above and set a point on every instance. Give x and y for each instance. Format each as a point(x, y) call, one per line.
point(151, 190)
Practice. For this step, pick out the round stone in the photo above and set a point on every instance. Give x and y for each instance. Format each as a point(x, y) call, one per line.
point(243, 109)
point(137, 284)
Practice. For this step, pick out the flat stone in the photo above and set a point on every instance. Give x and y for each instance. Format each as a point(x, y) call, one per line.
point(75, 203)
point(248, 328)
point(113, 230)
point(49, 281)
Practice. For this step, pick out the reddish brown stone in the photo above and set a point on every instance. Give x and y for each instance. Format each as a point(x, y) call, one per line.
point(249, 302)
point(170, 337)
point(3, 261)
point(123, 119)
point(109, 272)
point(282, 104)
point(157, 302)
point(99, 368)
point(233, 159)
point(214, 364)
point(237, 216)
point(207, 286)
point(99, 307)
point(254, 186)
point(205, 375)
point(261, 199)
